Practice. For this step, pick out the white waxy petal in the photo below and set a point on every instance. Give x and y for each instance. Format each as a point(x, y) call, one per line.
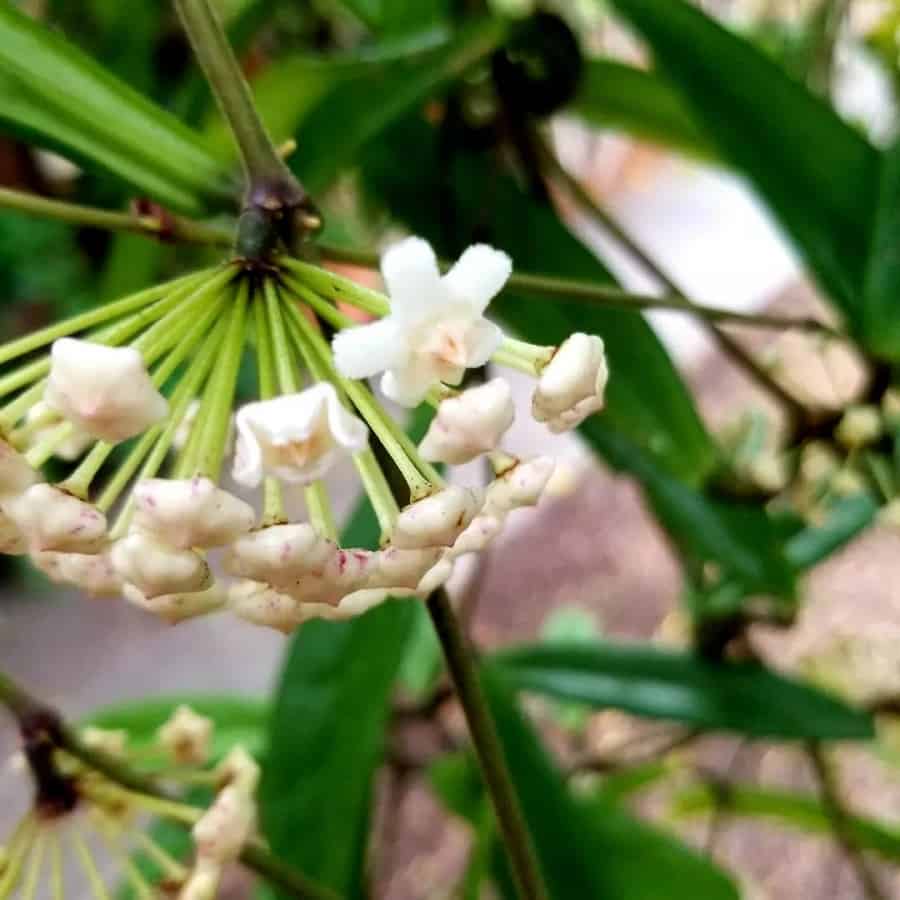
point(51, 519)
point(280, 554)
point(155, 568)
point(478, 276)
point(175, 608)
point(412, 279)
point(362, 601)
point(363, 351)
point(470, 424)
point(186, 736)
point(93, 573)
point(405, 387)
point(261, 604)
point(481, 531)
point(190, 512)
point(571, 386)
point(437, 520)
point(399, 569)
point(297, 437)
point(104, 391)
point(521, 485)
point(16, 475)
point(436, 576)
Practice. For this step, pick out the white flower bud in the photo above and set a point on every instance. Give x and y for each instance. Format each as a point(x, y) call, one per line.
point(481, 531)
point(203, 883)
point(110, 742)
point(51, 519)
point(279, 555)
point(48, 419)
point(435, 521)
point(16, 475)
point(860, 425)
point(105, 391)
point(571, 385)
point(297, 437)
point(397, 569)
point(817, 462)
point(769, 471)
point(186, 736)
point(261, 604)
point(354, 604)
point(175, 608)
point(12, 541)
point(470, 424)
point(520, 485)
point(155, 568)
point(92, 572)
point(190, 512)
point(436, 576)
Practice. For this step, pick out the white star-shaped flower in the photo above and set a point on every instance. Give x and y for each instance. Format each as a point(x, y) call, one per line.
point(105, 391)
point(436, 327)
point(297, 437)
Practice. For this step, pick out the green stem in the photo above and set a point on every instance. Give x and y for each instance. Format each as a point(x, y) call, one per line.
point(488, 749)
point(163, 226)
point(337, 287)
point(254, 856)
point(216, 58)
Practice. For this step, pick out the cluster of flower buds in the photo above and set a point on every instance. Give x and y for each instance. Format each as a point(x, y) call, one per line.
point(156, 374)
point(81, 813)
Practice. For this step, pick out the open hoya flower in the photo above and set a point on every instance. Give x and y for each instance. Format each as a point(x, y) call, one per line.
point(158, 373)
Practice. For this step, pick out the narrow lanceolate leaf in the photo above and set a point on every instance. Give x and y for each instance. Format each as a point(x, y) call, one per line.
point(668, 684)
point(357, 111)
point(646, 398)
point(817, 174)
point(616, 96)
point(587, 849)
point(881, 310)
point(59, 98)
point(846, 519)
point(792, 810)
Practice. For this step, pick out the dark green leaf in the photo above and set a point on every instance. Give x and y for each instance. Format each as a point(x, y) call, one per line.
point(621, 97)
point(355, 112)
point(881, 310)
point(668, 684)
point(587, 849)
point(793, 810)
point(326, 741)
point(392, 16)
point(64, 100)
point(818, 175)
point(846, 519)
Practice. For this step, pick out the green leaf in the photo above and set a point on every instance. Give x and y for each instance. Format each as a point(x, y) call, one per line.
point(592, 849)
point(790, 809)
point(646, 397)
point(668, 684)
point(387, 16)
point(817, 174)
point(846, 519)
point(60, 98)
point(739, 537)
point(356, 112)
point(617, 96)
point(881, 309)
point(238, 720)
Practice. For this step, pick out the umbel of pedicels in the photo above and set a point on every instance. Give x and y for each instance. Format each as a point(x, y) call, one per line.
point(157, 373)
point(79, 815)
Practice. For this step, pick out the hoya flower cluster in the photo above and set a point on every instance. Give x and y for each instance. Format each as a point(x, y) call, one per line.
point(141, 394)
point(79, 818)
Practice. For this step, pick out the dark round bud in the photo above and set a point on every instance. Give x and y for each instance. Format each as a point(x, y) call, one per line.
point(539, 70)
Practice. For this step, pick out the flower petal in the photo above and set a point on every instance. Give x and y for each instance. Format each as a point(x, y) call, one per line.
point(482, 339)
point(412, 278)
point(404, 386)
point(478, 276)
point(368, 349)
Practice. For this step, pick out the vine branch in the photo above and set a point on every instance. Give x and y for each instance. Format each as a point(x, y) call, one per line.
point(25, 708)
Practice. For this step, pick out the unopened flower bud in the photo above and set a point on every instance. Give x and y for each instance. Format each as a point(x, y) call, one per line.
point(92, 572)
point(261, 604)
point(16, 475)
point(105, 391)
point(356, 604)
point(155, 568)
point(436, 576)
point(403, 569)
point(859, 426)
point(296, 437)
point(12, 541)
point(435, 521)
point(190, 512)
point(769, 471)
point(280, 554)
point(520, 485)
point(817, 462)
point(571, 385)
point(470, 424)
point(51, 519)
point(847, 483)
point(186, 736)
point(203, 882)
point(175, 608)
point(108, 741)
point(481, 531)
